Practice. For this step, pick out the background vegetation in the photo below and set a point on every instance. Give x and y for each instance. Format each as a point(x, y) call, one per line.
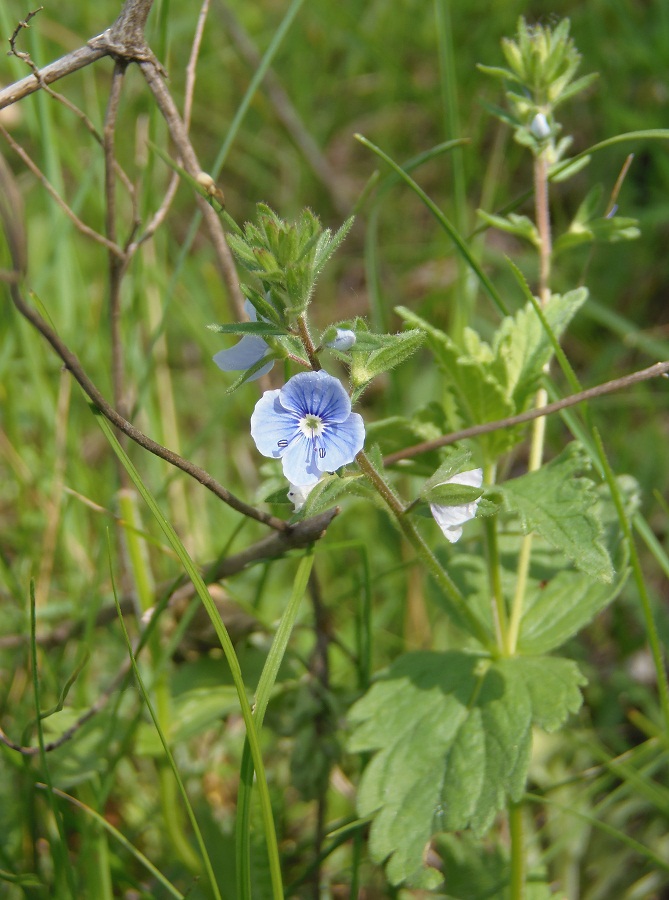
point(378, 68)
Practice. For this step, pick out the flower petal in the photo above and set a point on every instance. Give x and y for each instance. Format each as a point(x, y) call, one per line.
point(451, 518)
point(318, 394)
point(299, 462)
point(298, 493)
point(246, 353)
point(344, 339)
point(341, 443)
point(271, 424)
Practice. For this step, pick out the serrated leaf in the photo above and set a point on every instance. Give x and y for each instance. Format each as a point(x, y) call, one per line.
point(557, 609)
point(451, 733)
point(475, 385)
point(559, 504)
point(523, 347)
point(396, 348)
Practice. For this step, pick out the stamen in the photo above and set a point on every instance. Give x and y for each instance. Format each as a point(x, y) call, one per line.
point(321, 452)
point(282, 443)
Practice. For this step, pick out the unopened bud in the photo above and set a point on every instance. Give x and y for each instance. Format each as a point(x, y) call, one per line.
point(343, 340)
point(205, 181)
point(540, 127)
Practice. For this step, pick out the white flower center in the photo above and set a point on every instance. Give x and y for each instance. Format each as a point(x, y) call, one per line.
point(311, 426)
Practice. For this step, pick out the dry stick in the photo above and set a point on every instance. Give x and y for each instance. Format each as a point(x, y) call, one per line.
point(301, 535)
point(117, 266)
point(72, 363)
point(180, 137)
point(159, 216)
point(72, 62)
point(46, 184)
point(609, 387)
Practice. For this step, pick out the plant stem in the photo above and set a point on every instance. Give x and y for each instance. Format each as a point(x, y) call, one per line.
point(542, 215)
point(308, 344)
point(517, 880)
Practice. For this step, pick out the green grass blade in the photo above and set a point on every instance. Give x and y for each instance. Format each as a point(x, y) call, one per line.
point(122, 840)
point(168, 753)
point(60, 852)
point(228, 650)
point(445, 223)
point(265, 685)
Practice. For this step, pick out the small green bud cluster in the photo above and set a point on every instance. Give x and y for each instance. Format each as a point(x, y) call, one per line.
point(542, 64)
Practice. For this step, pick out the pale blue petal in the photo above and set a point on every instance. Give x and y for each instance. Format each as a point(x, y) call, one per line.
point(250, 311)
point(318, 394)
point(342, 442)
point(246, 353)
point(343, 340)
point(299, 462)
point(271, 424)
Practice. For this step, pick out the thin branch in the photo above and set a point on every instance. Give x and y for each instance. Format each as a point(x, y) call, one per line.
point(609, 387)
point(72, 363)
point(117, 264)
point(159, 216)
point(301, 535)
point(62, 67)
point(185, 149)
point(191, 68)
point(72, 216)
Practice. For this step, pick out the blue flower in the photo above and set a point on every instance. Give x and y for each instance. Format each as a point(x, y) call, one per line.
point(246, 352)
point(451, 518)
point(308, 424)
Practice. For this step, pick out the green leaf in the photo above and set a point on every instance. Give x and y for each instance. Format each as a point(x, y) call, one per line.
point(474, 383)
point(452, 494)
point(395, 349)
point(523, 347)
point(475, 870)
point(521, 226)
point(329, 489)
point(557, 609)
point(244, 377)
point(456, 461)
point(261, 328)
point(451, 733)
point(559, 504)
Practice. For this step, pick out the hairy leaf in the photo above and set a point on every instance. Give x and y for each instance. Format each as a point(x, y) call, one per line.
point(559, 503)
point(451, 733)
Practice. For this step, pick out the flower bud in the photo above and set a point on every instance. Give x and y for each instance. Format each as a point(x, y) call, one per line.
point(540, 127)
point(343, 340)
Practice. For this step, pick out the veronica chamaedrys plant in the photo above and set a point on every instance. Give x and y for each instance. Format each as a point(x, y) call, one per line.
point(308, 424)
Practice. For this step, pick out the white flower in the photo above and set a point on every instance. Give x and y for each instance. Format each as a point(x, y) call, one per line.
point(298, 493)
point(451, 518)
